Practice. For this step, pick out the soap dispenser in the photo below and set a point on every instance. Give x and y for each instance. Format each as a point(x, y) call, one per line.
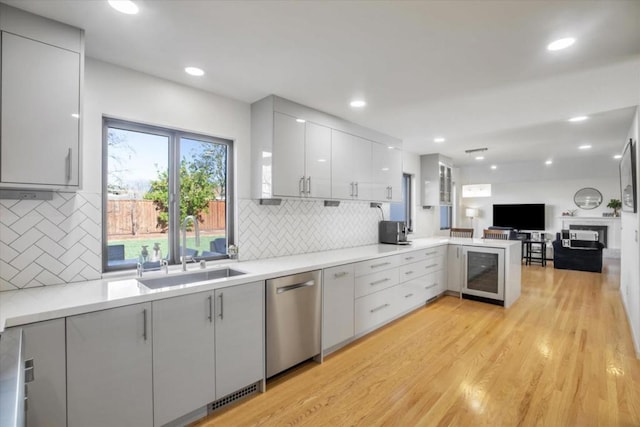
point(144, 255)
point(156, 254)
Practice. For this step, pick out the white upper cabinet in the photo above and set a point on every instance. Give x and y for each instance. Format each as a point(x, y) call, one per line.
point(288, 156)
point(437, 181)
point(40, 111)
point(300, 152)
point(301, 158)
point(350, 166)
point(317, 160)
point(387, 173)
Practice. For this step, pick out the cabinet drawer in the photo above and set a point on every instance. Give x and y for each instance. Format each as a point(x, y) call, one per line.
point(376, 282)
point(412, 294)
point(412, 271)
point(433, 285)
point(376, 308)
point(411, 257)
point(438, 251)
point(433, 264)
point(375, 265)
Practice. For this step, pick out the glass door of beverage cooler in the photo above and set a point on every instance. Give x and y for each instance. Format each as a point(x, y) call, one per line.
point(484, 272)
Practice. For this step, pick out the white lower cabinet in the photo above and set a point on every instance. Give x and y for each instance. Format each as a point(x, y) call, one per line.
point(109, 371)
point(239, 324)
point(377, 308)
point(205, 346)
point(44, 345)
point(338, 289)
point(454, 268)
point(183, 355)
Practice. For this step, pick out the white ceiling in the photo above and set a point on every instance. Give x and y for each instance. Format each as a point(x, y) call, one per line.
point(475, 72)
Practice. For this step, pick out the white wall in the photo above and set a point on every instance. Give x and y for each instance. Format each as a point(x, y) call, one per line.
point(126, 94)
point(532, 182)
point(629, 263)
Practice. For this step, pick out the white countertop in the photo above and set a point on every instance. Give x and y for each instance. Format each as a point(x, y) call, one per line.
point(50, 302)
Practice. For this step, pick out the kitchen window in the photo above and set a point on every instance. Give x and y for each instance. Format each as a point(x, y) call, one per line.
point(445, 217)
point(401, 211)
point(153, 179)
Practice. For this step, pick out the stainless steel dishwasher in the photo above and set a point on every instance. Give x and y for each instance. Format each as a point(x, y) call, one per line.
point(293, 320)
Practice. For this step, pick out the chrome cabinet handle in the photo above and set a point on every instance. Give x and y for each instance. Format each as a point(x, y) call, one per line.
point(29, 371)
point(221, 296)
point(431, 265)
point(408, 295)
point(377, 282)
point(301, 185)
point(431, 253)
point(309, 185)
point(390, 193)
point(409, 258)
point(373, 310)
point(431, 286)
point(408, 272)
point(294, 287)
point(341, 274)
point(351, 184)
point(69, 165)
point(357, 189)
point(210, 317)
point(144, 320)
point(380, 265)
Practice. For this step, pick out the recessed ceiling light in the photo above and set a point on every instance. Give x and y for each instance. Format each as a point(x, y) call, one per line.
point(548, 162)
point(75, 115)
point(584, 147)
point(194, 71)
point(494, 167)
point(480, 158)
point(578, 119)
point(124, 6)
point(358, 103)
point(322, 160)
point(617, 156)
point(438, 139)
point(300, 120)
point(385, 169)
point(561, 43)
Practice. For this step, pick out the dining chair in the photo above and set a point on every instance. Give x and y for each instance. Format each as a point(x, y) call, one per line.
point(461, 232)
point(496, 234)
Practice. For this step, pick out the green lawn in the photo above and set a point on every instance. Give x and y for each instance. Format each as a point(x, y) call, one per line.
point(133, 247)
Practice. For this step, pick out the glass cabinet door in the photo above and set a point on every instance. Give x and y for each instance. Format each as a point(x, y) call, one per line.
point(445, 184)
point(484, 272)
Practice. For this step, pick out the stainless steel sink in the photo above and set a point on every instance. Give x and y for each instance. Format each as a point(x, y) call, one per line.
point(184, 279)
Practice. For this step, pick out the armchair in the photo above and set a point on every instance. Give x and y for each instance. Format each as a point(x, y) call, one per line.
point(577, 258)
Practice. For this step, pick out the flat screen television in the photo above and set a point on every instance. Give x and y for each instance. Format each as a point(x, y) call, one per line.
point(520, 217)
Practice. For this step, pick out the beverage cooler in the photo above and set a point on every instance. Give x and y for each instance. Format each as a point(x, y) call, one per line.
point(483, 274)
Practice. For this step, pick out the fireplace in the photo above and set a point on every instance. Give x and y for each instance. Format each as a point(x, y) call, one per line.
point(601, 229)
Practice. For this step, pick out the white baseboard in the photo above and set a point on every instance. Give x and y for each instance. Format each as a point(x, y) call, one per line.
point(634, 333)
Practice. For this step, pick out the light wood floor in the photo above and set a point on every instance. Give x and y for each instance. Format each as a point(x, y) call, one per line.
point(561, 356)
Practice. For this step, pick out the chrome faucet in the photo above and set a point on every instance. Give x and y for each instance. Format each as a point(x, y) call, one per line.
point(184, 239)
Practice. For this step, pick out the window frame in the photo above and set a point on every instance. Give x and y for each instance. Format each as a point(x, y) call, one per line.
point(173, 158)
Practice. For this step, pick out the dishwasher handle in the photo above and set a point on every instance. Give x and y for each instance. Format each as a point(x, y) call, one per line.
point(295, 286)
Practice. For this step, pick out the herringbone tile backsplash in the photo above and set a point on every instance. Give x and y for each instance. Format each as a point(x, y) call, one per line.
point(58, 241)
point(302, 226)
point(47, 242)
